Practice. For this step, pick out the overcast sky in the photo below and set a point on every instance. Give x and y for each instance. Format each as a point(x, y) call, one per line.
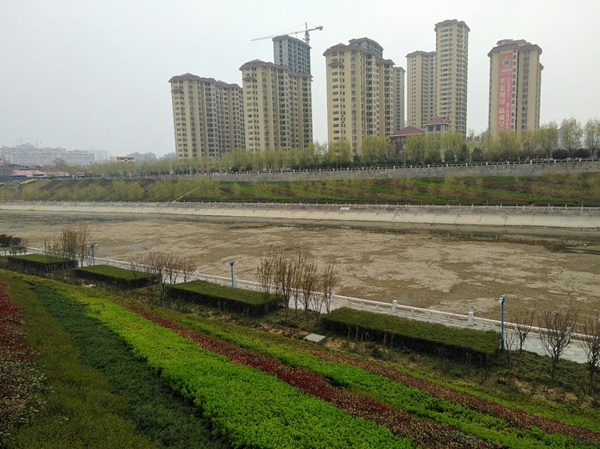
point(93, 74)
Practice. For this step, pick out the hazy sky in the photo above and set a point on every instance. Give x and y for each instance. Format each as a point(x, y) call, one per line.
point(93, 74)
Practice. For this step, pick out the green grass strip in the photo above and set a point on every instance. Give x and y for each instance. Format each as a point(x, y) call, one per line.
point(243, 404)
point(80, 410)
point(410, 399)
point(157, 412)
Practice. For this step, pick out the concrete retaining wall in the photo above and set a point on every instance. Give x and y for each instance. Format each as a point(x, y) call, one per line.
point(491, 169)
point(460, 219)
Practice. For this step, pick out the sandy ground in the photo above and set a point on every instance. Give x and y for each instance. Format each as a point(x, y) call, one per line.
point(422, 270)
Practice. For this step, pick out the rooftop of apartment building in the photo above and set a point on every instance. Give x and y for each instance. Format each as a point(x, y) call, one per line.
point(508, 44)
point(295, 39)
point(449, 22)
point(420, 52)
point(190, 77)
point(258, 63)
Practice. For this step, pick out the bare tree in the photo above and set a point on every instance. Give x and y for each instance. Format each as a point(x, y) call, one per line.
point(284, 272)
point(309, 282)
point(187, 267)
point(82, 241)
point(523, 324)
point(329, 279)
point(299, 263)
point(172, 267)
point(591, 345)
point(156, 264)
point(555, 332)
point(266, 273)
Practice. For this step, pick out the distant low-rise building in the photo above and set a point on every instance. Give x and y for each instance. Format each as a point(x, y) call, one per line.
point(122, 159)
point(30, 155)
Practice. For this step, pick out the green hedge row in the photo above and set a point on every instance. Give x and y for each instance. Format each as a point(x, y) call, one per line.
point(40, 262)
point(417, 335)
point(248, 407)
point(114, 275)
point(225, 298)
point(158, 412)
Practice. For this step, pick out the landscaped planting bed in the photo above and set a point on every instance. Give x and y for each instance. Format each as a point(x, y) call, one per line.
point(418, 335)
point(306, 396)
point(114, 275)
point(225, 298)
point(20, 378)
point(41, 262)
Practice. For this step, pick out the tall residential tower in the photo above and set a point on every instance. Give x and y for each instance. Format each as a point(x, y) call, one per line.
point(421, 88)
point(292, 52)
point(399, 81)
point(207, 116)
point(277, 107)
point(452, 48)
point(360, 92)
point(515, 86)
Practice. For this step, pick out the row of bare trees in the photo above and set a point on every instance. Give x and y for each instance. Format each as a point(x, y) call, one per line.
point(296, 278)
point(71, 243)
point(165, 268)
point(555, 330)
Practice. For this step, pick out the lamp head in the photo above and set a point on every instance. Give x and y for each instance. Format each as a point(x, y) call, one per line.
point(502, 298)
point(232, 263)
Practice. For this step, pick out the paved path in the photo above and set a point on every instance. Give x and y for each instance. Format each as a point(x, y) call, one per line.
point(573, 352)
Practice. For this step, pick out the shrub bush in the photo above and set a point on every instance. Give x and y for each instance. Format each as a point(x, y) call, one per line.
point(417, 335)
point(114, 275)
point(225, 298)
point(40, 262)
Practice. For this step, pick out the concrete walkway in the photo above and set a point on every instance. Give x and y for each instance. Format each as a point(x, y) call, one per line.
point(573, 352)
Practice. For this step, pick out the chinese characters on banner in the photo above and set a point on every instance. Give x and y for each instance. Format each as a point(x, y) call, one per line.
point(505, 91)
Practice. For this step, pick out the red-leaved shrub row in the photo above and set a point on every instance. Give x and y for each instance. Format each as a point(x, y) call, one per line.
point(423, 431)
point(20, 380)
point(514, 416)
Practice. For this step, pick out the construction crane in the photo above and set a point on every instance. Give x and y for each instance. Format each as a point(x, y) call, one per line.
point(306, 32)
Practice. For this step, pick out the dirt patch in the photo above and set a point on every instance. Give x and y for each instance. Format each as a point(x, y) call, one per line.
point(422, 270)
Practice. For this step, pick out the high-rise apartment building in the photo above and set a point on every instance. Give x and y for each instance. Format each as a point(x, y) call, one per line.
point(360, 93)
point(452, 48)
point(421, 92)
point(368, 44)
point(399, 82)
point(277, 107)
point(292, 52)
point(207, 116)
point(515, 86)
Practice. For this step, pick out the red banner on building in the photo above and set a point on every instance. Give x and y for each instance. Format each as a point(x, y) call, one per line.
point(505, 89)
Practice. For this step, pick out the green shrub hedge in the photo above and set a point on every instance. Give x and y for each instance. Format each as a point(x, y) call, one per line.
point(225, 298)
point(41, 262)
point(417, 335)
point(114, 275)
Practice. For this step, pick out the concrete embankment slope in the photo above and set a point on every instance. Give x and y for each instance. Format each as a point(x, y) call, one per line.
point(463, 219)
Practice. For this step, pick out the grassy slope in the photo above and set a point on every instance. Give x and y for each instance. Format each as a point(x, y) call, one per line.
point(574, 189)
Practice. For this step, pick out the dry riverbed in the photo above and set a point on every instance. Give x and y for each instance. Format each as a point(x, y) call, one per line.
point(423, 270)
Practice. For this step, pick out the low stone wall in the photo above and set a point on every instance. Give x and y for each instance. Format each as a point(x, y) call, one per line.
point(491, 169)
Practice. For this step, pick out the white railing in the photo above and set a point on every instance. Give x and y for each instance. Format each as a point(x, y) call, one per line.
point(337, 301)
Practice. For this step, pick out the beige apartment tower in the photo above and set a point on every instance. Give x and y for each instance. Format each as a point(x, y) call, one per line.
point(421, 92)
point(207, 116)
point(292, 52)
point(399, 97)
point(277, 107)
point(515, 86)
point(452, 48)
point(360, 92)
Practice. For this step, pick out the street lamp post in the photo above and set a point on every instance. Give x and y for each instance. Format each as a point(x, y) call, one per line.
point(231, 264)
point(501, 300)
point(93, 245)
